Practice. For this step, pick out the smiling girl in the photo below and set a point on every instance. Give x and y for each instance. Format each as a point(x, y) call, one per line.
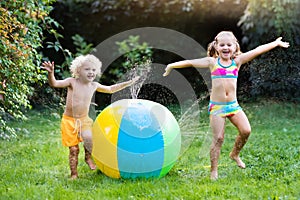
point(224, 61)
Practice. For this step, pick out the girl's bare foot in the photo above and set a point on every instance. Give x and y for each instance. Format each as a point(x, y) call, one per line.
point(238, 161)
point(214, 175)
point(90, 163)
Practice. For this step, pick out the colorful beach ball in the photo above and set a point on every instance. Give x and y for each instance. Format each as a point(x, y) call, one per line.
point(135, 138)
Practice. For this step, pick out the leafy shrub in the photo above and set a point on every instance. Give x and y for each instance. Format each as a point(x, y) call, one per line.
point(134, 54)
point(275, 74)
point(22, 23)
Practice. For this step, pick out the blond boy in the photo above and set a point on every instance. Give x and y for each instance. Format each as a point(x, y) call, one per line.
point(76, 126)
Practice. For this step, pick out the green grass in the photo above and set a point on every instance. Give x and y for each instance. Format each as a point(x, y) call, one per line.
point(35, 165)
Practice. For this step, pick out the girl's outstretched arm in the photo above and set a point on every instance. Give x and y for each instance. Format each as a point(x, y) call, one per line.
point(206, 62)
point(250, 55)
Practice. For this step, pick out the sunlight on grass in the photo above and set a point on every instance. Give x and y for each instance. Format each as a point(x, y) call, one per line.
point(35, 164)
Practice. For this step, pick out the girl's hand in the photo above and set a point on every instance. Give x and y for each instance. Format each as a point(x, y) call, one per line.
point(281, 43)
point(167, 70)
point(135, 79)
point(49, 66)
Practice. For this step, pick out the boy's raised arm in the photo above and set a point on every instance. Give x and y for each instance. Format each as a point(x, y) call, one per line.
point(49, 66)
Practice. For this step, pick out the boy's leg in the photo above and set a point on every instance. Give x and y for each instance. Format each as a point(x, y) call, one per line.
point(88, 146)
point(73, 160)
point(217, 124)
point(240, 120)
point(88, 159)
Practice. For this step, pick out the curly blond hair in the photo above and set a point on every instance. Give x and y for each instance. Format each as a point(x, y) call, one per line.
point(77, 63)
point(212, 51)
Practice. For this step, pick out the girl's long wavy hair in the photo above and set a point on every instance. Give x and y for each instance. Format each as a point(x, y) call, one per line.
point(212, 51)
point(77, 63)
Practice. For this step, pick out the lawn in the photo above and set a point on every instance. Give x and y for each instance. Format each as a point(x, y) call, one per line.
point(35, 164)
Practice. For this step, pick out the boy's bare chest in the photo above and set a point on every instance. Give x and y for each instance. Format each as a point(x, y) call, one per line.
point(83, 92)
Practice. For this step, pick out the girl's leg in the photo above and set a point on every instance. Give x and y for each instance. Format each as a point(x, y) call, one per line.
point(73, 160)
point(88, 146)
point(241, 121)
point(218, 126)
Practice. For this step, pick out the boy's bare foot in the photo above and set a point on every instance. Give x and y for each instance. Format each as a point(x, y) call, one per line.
point(73, 177)
point(214, 175)
point(238, 161)
point(90, 163)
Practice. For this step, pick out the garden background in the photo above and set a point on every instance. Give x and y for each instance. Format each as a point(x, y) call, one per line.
point(36, 30)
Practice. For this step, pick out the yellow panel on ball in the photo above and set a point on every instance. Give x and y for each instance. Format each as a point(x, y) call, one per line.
point(102, 133)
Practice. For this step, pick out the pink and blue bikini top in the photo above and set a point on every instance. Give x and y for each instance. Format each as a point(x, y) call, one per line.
point(220, 71)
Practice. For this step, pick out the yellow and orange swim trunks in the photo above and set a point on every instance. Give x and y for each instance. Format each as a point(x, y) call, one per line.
point(71, 129)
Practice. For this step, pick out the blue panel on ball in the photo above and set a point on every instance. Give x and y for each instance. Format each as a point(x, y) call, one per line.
point(140, 144)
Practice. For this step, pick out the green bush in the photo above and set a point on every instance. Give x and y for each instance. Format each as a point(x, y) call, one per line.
point(22, 23)
point(275, 74)
point(134, 54)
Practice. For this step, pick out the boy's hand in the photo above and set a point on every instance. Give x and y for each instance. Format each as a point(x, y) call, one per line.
point(4, 84)
point(167, 70)
point(49, 66)
point(281, 43)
